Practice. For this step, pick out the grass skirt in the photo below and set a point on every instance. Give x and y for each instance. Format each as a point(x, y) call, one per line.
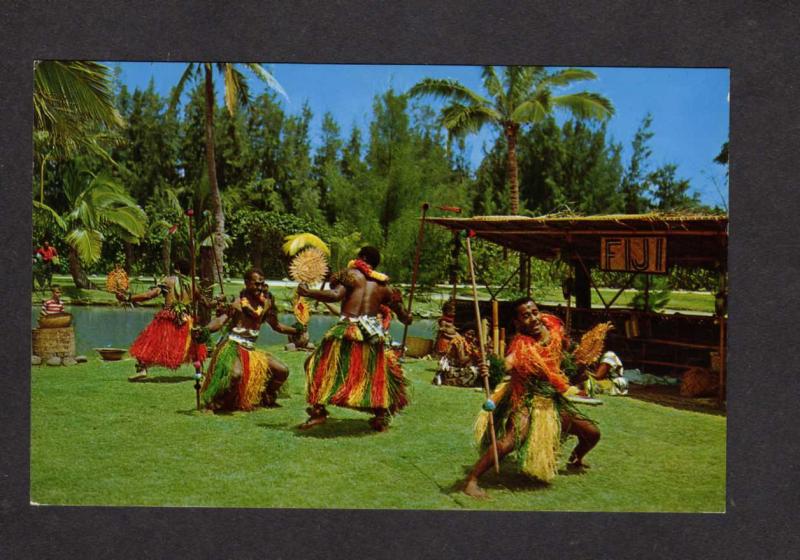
point(222, 390)
point(538, 448)
point(166, 343)
point(352, 371)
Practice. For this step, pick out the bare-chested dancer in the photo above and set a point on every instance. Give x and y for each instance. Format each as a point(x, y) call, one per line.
point(353, 367)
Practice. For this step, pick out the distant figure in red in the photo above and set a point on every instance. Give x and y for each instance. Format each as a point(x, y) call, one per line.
point(48, 257)
point(167, 340)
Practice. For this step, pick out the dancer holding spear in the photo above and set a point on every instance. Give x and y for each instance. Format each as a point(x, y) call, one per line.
point(167, 340)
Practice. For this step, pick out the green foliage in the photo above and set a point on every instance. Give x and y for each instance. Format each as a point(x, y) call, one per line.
point(652, 293)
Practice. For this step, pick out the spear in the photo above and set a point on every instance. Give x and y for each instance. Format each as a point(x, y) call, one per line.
point(415, 271)
point(479, 328)
point(198, 365)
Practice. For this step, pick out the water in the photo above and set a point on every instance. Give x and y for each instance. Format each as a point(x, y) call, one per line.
point(117, 327)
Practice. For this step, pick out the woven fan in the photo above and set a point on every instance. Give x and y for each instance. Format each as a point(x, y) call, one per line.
point(591, 345)
point(309, 266)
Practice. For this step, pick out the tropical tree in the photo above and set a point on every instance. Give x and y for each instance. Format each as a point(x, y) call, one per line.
point(523, 96)
point(236, 92)
point(70, 97)
point(97, 205)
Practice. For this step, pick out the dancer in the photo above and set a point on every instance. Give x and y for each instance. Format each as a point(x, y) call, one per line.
point(167, 340)
point(239, 376)
point(530, 413)
point(352, 367)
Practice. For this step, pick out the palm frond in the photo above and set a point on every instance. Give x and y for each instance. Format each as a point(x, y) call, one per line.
point(460, 120)
point(585, 105)
point(75, 90)
point(87, 243)
point(531, 111)
point(493, 85)
point(447, 89)
point(188, 74)
point(519, 80)
point(129, 219)
point(236, 90)
point(568, 76)
point(51, 213)
point(267, 78)
point(295, 243)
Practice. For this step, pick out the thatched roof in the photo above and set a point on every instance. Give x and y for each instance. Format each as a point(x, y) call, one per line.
point(692, 240)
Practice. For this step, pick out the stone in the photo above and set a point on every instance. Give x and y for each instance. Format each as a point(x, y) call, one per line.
point(36, 360)
point(81, 359)
point(54, 361)
point(69, 362)
point(290, 347)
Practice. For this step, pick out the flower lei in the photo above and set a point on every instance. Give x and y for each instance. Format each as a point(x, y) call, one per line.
point(367, 270)
point(248, 308)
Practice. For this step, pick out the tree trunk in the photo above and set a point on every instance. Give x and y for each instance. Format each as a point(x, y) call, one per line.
point(206, 281)
point(511, 166)
point(129, 256)
point(218, 238)
point(76, 270)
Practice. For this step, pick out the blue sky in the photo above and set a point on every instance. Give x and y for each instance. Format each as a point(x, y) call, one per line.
point(689, 105)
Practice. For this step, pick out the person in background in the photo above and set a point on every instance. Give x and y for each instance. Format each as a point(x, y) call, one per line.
point(49, 257)
point(53, 305)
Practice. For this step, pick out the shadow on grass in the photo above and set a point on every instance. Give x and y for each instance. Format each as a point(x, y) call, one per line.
point(166, 379)
point(333, 428)
point(508, 479)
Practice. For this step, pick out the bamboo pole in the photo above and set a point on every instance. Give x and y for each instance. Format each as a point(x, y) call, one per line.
point(479, 326)
point(495, 327)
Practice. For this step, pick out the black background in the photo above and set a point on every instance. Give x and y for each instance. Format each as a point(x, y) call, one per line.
point(757, 40)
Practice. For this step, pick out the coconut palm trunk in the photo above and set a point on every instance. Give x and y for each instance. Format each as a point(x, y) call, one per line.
point(512, 171)
point(79, 276)
point(218, 239)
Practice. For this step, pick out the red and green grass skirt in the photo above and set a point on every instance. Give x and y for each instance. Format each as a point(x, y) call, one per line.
point(350, 370)
point(165, 342)
point(237, 378)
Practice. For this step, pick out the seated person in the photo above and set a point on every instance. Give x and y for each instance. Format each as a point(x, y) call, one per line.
point(447, 330)
point(608, 375)
point(54, 305)
point(459, 366)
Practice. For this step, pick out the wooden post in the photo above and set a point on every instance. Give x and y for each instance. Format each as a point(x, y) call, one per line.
point(495, 327)
point(481, 348)
point(190, 213)
point(502, 349)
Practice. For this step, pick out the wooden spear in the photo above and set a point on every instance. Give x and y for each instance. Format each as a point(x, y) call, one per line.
point(479, 327)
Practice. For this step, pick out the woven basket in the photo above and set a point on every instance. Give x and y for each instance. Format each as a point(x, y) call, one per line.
point(418, 347)
point(55, 321)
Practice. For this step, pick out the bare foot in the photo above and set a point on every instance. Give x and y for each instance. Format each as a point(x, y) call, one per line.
point(138, 376)
point(471, 488)
point(311, 422)
point(378, 424)
point(577, 465)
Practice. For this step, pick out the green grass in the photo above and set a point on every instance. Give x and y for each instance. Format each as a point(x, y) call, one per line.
point(99, 440)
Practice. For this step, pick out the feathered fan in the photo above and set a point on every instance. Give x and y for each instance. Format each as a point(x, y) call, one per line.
point(309, 266)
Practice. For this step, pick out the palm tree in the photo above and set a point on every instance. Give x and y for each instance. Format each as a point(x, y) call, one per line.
point(73, 110)
point(97, 205)
point(236, 91)
point(524, 96)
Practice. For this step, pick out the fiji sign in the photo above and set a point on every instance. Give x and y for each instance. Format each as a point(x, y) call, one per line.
point(634, 254)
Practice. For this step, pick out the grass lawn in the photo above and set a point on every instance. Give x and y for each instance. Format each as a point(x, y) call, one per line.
point(99, 440)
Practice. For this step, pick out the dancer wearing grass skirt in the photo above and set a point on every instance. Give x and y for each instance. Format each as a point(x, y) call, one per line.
point(240, 377)
point(530, 411)
point(353, 365)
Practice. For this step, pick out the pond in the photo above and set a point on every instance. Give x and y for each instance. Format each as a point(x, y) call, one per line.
point(117, 327)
